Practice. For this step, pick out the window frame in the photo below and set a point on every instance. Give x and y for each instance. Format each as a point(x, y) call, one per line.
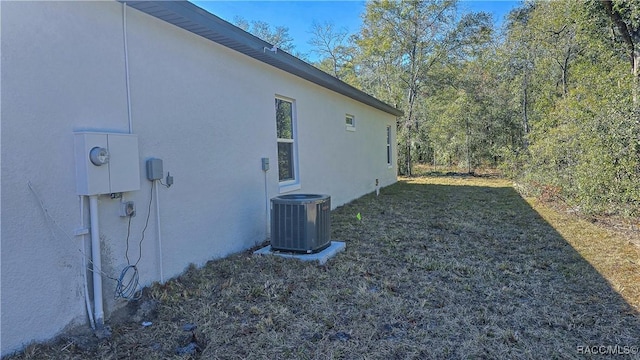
point(389, 146)
point(289, 184)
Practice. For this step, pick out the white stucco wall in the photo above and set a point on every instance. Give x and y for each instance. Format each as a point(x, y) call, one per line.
point(207, 111)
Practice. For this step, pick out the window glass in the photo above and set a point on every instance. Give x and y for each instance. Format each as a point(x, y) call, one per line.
point(284, 119)
point(286, 140)
point(285, 161)
point(349, 120)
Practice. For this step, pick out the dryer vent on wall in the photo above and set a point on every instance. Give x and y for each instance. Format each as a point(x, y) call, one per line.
point(300, 223)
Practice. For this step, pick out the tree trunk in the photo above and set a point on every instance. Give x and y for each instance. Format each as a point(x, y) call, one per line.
point(525, 115)
point(408, 154)
point(468, 151)
point(630, 36)
point(565, 74)
point(636, 71)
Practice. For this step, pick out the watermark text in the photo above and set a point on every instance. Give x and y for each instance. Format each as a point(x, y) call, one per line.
point(608, 349)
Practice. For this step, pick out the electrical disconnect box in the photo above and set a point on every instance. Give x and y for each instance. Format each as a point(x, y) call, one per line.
point(106, 163)
point(154, 169)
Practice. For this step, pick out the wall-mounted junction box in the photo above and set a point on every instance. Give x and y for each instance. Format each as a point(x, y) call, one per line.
point(154, 169)
point(106, 163)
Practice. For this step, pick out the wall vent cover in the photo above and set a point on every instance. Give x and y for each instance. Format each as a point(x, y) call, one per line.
point(301, 223)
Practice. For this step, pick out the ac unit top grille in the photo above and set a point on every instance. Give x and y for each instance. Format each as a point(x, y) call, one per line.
point(300, 198)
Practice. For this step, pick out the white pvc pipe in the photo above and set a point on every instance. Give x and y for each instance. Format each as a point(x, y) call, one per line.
point(266, 208)
point(126, 65)
point(84, 267)
point(159, 234)
point(96, 261)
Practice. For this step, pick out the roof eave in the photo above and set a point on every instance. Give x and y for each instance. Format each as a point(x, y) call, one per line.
point(192, 18)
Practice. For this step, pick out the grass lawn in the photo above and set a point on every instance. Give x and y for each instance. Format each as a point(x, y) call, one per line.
point(437, 268)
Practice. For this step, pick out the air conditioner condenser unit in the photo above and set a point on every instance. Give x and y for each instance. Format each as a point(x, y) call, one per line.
point(301, 223)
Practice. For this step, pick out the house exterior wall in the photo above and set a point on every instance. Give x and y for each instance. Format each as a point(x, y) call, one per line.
point(204, 109)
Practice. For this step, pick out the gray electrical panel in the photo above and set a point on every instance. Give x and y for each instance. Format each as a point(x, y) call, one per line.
point(154, 169)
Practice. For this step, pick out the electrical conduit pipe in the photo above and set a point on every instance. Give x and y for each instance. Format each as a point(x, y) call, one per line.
point(96, 263)
point(159, 234)
point(84, 266)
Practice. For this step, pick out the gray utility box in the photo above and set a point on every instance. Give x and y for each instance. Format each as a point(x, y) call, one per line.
point(301, 223)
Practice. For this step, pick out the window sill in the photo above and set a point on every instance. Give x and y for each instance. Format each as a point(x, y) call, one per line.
point(289, 188)
point(351, 128)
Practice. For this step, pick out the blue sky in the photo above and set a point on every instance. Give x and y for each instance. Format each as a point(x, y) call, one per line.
point(299, 15)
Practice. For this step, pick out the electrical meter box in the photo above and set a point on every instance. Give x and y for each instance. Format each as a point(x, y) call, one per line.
point(106, 163)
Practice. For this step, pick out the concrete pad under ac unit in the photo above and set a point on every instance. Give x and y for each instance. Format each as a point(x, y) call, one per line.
point(321, 256)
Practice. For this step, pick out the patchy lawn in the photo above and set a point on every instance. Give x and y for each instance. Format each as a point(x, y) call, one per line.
point(438, 267)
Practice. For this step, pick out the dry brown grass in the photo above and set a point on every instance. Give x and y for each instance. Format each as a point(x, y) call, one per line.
point(440, 267)
point(611, 253)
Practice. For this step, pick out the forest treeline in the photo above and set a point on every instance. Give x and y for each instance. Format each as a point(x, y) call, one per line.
point(550, 98)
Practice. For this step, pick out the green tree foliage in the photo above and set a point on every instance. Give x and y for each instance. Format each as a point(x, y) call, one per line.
point(582, 131)
point(625, 18)
point(470, 112)
point(401, 46)
point(550, 100)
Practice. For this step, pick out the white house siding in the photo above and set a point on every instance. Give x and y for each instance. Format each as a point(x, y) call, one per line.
point(204, 109)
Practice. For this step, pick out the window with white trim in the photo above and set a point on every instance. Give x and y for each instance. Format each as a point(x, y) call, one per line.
point(350, 122)
point(286, 130)
point(389, 147)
